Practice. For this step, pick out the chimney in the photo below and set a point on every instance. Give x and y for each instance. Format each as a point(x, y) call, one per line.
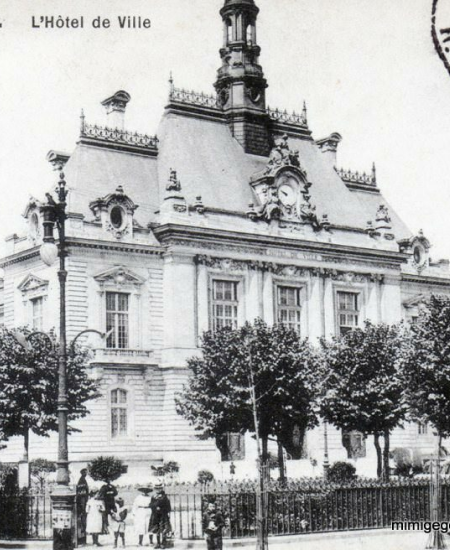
point(115, 109)
point(329, 145)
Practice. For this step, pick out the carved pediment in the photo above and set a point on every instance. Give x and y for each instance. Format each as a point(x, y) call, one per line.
point(119, 277)
point(32, 283)
point(415, 301)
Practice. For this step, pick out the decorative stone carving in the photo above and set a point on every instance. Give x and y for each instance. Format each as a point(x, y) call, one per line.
point(418, 246)
point(33, 217)
point(32, 285)
point(282, 188)
point(115, 211)
point(282, 155)
point(174, 183)
point(383, 222)
point(118, 278)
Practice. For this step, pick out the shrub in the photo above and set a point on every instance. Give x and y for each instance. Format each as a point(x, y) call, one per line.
point(341, 472)
point(204, 477)
point(106, 468)
point(168, 468)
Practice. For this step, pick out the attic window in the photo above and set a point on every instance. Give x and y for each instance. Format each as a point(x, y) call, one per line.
point(116, 217)
point(417, 255)
point(34, 226)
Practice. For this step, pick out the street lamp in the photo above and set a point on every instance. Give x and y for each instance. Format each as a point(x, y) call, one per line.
point(54, 214)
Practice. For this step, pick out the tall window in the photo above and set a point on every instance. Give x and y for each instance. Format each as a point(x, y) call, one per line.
point(289, 307)
point(348, 311)
point(119, 413)
point(37, 312)
point(224, 304)
point(117, 319)
point(422, 428)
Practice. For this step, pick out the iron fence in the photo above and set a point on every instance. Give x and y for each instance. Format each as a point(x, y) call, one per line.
point(295, 511)
point(25, 515)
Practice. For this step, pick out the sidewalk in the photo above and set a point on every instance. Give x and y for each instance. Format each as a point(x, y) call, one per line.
point(382, 539)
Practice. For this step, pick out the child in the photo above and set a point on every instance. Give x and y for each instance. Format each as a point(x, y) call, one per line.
point(213, 524)
point(118, 517)
point(95, 509)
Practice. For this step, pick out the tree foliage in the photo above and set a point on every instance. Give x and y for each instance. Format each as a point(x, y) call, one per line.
point(426, 365)
point(341, 472)
point(29, 385)
point(363, 387)
point(106, 468)
point(285, 375)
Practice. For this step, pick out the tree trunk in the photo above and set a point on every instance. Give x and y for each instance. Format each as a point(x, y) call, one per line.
point(26, 442)
point(376, 442)
point(386, 435)
point(265, 453)
point(281, 463)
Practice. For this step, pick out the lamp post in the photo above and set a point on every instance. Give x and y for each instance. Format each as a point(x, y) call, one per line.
point(326, 462)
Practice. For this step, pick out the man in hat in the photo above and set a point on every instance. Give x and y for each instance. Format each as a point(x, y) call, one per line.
point(82, 499)
point(142, 513)
point(213, 524)
point(118, 517)
point(160, 520)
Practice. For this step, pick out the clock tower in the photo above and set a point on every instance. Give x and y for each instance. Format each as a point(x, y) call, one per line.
point(241, 86)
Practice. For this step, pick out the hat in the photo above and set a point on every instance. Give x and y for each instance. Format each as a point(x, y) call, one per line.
point(145, 490)
point(159, 487)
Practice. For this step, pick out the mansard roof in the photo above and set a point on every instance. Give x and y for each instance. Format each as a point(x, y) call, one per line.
point(210, 163)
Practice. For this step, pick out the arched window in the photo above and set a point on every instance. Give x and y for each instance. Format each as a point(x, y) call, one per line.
point(119, 413)
point(229, 31)
point(249, 35)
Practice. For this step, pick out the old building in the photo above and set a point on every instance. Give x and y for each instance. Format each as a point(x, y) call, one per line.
point(235, 211)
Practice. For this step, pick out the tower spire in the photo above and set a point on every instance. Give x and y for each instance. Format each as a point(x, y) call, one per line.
point(240, 80)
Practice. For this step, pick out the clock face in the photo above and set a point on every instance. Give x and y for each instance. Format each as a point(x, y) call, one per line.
point(287, 195)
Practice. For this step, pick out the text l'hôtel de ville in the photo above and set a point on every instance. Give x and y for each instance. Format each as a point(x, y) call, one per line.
point(66, 22)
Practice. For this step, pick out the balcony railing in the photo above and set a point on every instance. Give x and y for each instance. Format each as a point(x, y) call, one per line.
point(116, 355)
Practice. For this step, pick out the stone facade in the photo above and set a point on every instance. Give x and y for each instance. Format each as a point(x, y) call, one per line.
point(234, 212)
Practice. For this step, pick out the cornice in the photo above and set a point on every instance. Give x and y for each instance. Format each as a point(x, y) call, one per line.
point(85, 243)
point(19, 257)
point(425, 280)
point(189, 235)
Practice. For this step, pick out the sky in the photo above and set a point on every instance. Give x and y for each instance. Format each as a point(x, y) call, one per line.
point(366, 69)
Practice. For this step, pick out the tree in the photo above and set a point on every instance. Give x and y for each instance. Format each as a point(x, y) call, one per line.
point(204, 477)
point(363, 387)
point(271, 362)
point(426, 365)
point(40, 469)
point(106, 468)
point(29, 386)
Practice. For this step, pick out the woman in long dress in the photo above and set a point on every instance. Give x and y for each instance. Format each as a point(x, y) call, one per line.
point(142, 513)
point(95, 510)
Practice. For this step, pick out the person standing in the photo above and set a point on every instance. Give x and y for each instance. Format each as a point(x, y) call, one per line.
point(160, 519)
point(118, 517)
point(82, 500)
point(108, 494)
point(213, 524)
point(142, 513)
point(95, 510)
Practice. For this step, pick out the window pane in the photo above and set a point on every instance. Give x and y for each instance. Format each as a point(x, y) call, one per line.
point(289, 307)
point(117, 305)
point(224, 307)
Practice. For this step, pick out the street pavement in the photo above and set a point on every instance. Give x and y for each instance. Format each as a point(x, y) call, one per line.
point(362, 540)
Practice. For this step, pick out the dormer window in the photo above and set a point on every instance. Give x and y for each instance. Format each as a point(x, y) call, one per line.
point(115, 212)
point(116, 217)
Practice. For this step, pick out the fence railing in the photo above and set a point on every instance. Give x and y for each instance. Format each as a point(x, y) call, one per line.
point(297, 512)
point(25, 516)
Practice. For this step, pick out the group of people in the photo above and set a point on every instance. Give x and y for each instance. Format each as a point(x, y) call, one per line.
point(105, 512)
